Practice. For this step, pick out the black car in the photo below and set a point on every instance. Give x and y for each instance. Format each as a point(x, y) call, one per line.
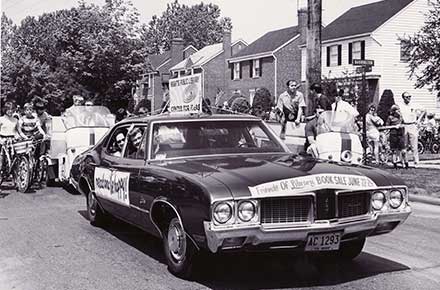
point(227, 182)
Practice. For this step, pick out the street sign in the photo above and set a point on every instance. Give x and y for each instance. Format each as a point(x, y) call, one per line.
point(363, 62)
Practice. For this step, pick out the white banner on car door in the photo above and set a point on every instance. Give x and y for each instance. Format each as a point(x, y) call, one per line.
point(112, 185)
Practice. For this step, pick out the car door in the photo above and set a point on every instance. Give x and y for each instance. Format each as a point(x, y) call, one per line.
point(116, 176)
point(132, 161)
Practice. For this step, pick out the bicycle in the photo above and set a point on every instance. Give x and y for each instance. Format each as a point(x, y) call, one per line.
point(17, 156)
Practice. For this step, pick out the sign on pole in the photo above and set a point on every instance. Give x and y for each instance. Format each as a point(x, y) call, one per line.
point(186, 94)
point(363, 62)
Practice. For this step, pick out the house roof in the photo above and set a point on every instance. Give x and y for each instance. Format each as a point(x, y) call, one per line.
point(269, 41)
point(200, 57)
point(158, 59)
point(363, 19)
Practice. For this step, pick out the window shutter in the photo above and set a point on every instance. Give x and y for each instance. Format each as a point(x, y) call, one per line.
point(339, 54)
point(251, 68)
point(328, 55)
point(261, 66)
point(363, 49)
point(240, 67)
point(350, 53)
point(231, 67)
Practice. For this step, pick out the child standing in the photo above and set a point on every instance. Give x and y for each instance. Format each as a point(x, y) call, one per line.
point(396, 136)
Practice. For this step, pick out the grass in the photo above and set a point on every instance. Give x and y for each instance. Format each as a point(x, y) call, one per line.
point(420, 181)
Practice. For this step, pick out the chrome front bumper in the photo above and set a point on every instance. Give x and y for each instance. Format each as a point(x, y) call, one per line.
point(254, 235)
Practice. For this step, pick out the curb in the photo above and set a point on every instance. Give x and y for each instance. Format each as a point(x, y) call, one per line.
point(424, 199)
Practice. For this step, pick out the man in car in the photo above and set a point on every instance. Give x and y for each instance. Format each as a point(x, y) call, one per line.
point(120, 141)
point(290, 106)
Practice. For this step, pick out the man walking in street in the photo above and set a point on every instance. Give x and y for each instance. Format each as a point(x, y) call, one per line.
point(290, 106)
point(410, 120)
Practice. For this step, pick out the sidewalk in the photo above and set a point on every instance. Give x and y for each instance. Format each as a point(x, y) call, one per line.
point(429, 164)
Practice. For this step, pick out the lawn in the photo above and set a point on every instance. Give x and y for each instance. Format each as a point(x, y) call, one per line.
point(420, 181)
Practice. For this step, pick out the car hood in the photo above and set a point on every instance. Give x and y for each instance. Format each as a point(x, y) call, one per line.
point(242, 175)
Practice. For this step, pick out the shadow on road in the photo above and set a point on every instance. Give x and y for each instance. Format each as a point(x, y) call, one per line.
point(260, 270)
point(134, 237)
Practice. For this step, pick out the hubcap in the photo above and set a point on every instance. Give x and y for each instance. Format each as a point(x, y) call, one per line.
point(176, 242)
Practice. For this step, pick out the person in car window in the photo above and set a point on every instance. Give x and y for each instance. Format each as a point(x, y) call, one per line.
point(119, 144)
point(135, 142)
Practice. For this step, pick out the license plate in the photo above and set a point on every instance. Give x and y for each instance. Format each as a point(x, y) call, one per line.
point(323, 242)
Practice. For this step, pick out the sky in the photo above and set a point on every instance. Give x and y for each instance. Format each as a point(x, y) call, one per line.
point(250, 18)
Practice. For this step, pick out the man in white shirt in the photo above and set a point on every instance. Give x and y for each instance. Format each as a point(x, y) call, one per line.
point(410, 114)
point(290, 106)
point(342, 106)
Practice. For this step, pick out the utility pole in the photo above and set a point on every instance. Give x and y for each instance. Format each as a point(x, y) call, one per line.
point(313, 46)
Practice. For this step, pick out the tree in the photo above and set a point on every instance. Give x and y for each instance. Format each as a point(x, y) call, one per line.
point(262, 103)
point(199, 25)
point(385, 104)
point(91, 50)
point(423, 49)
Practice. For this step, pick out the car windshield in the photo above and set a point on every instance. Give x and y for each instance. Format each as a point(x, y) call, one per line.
point(331, 121)
point(195, 138)
point(88, 116)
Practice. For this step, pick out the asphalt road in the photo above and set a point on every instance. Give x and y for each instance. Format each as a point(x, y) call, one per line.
point(46, 243)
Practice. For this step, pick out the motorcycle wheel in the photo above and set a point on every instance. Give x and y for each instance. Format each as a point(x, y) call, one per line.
point(420, 147)
point(22, 174)
point(435, 147)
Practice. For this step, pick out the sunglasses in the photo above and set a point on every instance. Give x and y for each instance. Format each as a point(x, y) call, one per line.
point(120, 141)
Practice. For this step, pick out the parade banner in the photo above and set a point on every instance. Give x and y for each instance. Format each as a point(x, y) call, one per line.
point(312, 183)
point(112, 185)
point(186, 94)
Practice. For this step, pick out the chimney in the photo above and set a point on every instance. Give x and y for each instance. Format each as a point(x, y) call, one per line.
point(227, 43)
point(302, 24)
point(176, 51)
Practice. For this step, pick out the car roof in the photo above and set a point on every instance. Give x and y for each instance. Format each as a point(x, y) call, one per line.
point(186, 116)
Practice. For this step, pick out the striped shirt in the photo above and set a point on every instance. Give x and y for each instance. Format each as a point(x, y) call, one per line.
point(29, 125)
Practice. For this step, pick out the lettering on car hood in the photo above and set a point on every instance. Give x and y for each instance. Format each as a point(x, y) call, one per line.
point(312, 183)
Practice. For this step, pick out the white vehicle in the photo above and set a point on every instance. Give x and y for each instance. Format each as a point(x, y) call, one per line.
point(80, 128)
point(337, 138)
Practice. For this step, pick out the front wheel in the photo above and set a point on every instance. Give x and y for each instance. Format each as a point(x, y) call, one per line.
point(22, 174)
point(179, 251)
point(95, 213)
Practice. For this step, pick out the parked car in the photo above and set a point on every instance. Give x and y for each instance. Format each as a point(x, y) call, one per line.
point(78, 129)
point(226, 182)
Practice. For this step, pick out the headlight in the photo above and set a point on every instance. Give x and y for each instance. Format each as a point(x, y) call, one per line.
point(246, 211)
point(346, 156)
point(222, 212)
point(396, 198)
point(378, 200)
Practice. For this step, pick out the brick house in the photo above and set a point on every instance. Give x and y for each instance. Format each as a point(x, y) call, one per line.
point(210, 61)
point(268, 62)
point(154, 82)
point(375, 31)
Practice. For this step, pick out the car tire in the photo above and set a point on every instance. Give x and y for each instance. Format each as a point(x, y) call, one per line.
point(179, 250)
point(95, 213)
point(351, 249)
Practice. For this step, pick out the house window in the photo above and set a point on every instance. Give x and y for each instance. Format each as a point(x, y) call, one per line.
point(334, 54)
point(237, 71)
point(356, 50)
point(256, 68)
point(405, 52)
point(198, 70)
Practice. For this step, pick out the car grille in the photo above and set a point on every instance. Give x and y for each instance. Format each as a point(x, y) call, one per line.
point(353, 204)
point(285, 210)
point(325, 204)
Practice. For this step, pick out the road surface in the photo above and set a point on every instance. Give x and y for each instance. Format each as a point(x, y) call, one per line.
point(46, 242)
